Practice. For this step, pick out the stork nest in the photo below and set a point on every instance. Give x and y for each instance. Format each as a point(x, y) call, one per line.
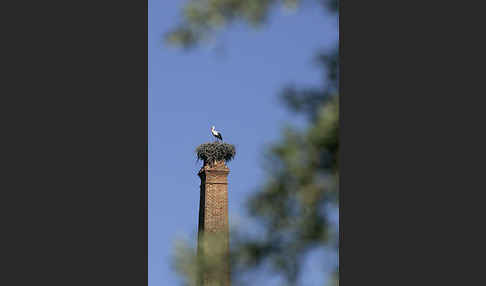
point(215, 151)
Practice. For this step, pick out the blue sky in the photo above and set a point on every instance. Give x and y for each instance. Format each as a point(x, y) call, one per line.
point(235, 90)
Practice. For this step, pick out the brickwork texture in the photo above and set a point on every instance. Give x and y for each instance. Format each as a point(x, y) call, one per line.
point(213, 220)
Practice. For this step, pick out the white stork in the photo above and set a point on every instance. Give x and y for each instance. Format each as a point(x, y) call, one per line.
point(216, 134)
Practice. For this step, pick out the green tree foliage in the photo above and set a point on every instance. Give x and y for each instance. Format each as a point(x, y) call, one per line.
point(292, 204)
point(202, 19)
point(302, 168)
point(209, 265)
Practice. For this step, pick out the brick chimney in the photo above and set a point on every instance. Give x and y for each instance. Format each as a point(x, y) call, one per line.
point(213, 223)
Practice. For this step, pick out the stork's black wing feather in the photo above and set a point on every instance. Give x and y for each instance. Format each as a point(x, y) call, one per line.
point(219, 136)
